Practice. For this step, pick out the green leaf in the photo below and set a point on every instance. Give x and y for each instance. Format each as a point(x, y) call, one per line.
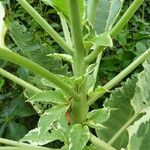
point(102, 40)
point(107, 12)
point(79, 136)
point(122, 111)
point(64, 57)
point(95, 118)
point(16, 131)
point(140, 48)
point(2, 25)
point(139, 133)
point(52, 97)
point(34, 138)
point(62, 7)
point(49, 117)
point(141, 99)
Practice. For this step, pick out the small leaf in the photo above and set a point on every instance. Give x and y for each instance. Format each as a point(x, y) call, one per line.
point(48, 118)
point(52, 97)
point(95, 118)
point(64, 57)
point(34, 138)
point(102, 40)
point(79, 136)
point(90, 68)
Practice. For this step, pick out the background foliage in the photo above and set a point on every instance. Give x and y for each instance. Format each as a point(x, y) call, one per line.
point(27, 38)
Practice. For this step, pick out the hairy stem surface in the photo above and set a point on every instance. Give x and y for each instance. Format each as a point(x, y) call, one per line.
point(80, 107)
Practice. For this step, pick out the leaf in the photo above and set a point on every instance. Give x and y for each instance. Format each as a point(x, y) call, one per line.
point(140, 48)
point(16, 131)
point(35, 49)
point(62, 7)
point(95, 118)
point(49, 117)
point(79, 136)
point(102, 40)
point(122, 111)
point(34, 138)
point(139, 133)
point(52, 97)
point(2, 26)
point(141, 99)
point(64, 57)
point(106, 14)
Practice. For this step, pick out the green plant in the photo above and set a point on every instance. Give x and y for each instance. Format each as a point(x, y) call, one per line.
point(69, 118)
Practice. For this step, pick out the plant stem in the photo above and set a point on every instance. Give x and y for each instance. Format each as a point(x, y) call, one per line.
point(19, 81)
point(91, 10)
point(117, 28)
point(95, 72)
point(126, 17)
point(45, 25)
point(115, 137)
point(94, 54)
point(121, 75)
point(100, 144)
point(79, 108)
point(76, 31)
point(20, 60)
point(66, 31)
point(17, 144)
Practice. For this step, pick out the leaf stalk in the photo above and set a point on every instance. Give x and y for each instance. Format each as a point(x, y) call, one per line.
point(19, 81)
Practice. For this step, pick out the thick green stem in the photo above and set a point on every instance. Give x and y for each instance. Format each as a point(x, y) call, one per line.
point(17, 59)
point(45, 25)
point(101, 145)
point(117, 28)
point(126, 17)
point(22, 145)
point(79, 108)
point(94, 54)
point(76, 31)
point(120, 76)
point(19, 81)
